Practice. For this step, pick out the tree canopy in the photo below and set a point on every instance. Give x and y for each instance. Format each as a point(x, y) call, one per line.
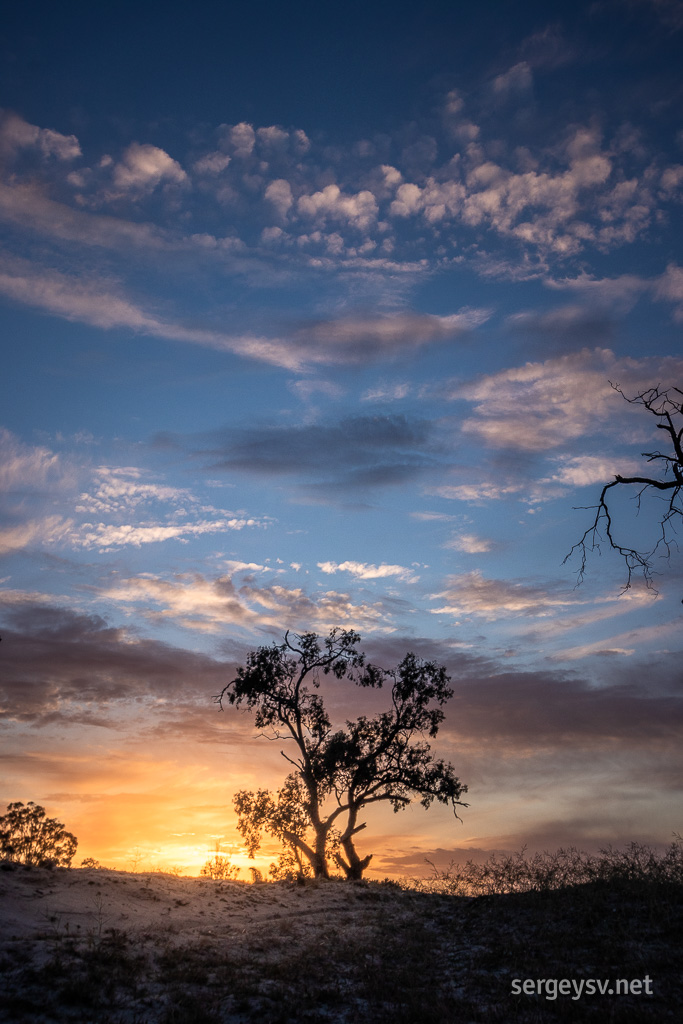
point(666, 405)
point(28, 836)
point(337, 772)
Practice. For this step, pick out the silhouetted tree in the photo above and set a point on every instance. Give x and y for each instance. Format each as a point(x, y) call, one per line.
point(666, 405)
point(27, 836)
point(339, 772)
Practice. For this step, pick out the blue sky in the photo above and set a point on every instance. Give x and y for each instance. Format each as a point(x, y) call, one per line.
point(309, 319)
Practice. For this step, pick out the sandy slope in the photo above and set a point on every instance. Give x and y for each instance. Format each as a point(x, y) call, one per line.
point(84, 901)
point(106, 947)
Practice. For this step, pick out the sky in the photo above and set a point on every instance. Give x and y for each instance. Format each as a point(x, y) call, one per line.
point(310, 317)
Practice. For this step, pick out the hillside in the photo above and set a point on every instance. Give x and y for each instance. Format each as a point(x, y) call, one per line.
point(119, 948)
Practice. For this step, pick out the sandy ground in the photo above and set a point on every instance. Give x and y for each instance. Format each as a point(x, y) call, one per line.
point(87, 901)
point(106, 947)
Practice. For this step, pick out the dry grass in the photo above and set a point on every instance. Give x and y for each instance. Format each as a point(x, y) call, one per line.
point(378, 953)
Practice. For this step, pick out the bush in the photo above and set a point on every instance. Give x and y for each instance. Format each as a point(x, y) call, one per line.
point(542, 872)
point(219, 868)
point(28, 837)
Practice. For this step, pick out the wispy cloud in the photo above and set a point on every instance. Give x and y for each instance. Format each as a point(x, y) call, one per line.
point(544, 405)
point(365, 571)
point(107, 537)
point(473, 594)
point(469, 543)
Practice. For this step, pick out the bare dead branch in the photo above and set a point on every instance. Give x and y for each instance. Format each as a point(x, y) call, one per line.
point(657, 401)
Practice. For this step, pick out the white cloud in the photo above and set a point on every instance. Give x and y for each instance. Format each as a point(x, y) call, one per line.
point(107, 537)
point(584, 470)
point(115, 493)
point(359, 210)
point(366, 571)
point(210, 606)
point(145, 166)
point(469, 543)
point(544, 405)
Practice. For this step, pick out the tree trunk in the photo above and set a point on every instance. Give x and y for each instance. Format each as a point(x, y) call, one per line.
point(353, 866)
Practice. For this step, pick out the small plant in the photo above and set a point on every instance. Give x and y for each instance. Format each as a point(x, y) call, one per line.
point(90, 862)
point(28, 837)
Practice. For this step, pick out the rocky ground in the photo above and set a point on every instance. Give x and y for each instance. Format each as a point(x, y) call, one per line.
point(112, 947)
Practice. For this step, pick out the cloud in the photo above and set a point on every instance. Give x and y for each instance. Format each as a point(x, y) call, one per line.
point(364, 571)
point(359, 211)
point(107, 537)
point(363, 338)
point(16, 135)
point(60, 665)
point(305, 389)
point(515, 82)
point(357, 452)
point(472, 594)
point(387, 392)
point(144, 167)
point(27, 468)
point(352, 339)
point(670, 287)
point(47, 530)
point(469, 543)
point(566, 327)
point(209, 606)
point(584, 470)
point(625, 644)
point(279, 193)
point(118, 489)
point(544, 405)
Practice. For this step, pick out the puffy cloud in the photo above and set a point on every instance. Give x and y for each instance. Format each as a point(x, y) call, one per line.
point(145, 166)
point(359, 210)
point(209, 606)
point(242, 138)
point(17, 134)
point(119, 489)
point(279, 193)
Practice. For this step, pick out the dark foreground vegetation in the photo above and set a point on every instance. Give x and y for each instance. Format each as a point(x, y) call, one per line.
point(416, 953)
